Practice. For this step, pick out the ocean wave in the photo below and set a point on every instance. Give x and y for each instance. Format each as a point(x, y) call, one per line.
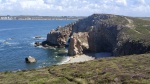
point(6, 43)
point(15, 29)
point(32, 44)
point(66, 59)
point(11, 43)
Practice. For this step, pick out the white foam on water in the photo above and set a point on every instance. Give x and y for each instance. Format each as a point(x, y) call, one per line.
point(33, 43)
point(10, 44)
point(66, 59)
point(40, 47)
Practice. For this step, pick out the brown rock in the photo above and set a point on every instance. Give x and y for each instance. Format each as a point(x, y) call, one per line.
point(37, 43)
point(75, 46)
point(30, 59)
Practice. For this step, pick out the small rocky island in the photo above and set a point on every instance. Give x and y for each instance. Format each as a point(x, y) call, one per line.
point(120, 35)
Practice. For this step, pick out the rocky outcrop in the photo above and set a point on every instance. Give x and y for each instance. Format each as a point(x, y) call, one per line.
point(131, 47)
point(119, 35)
point(30, 59)
point(78, 43)
point(37, 44)
point(59, 36)
point(75, 46)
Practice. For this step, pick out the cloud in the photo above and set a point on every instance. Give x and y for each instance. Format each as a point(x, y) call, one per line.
point(74, 7)
point(140, 2)
point(121, 2)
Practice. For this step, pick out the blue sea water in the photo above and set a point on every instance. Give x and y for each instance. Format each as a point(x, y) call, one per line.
point(17, 43)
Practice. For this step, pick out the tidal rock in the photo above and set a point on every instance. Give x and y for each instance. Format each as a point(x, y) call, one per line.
point(30, 59)
point(37, 43)
point(37, 37)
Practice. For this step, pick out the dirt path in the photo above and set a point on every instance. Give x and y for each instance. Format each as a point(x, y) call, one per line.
point(131, 25)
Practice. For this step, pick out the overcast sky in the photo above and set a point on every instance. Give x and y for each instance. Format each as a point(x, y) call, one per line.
point(75, 7)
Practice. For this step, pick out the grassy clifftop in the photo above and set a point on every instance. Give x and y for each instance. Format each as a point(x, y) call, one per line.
point(133, 69)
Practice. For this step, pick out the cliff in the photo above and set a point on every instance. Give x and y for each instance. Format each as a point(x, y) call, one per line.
point(120, 35)
point(59, 36)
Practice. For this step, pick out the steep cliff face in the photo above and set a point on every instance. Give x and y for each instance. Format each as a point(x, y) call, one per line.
point(119, 35)
point(78, 43)
point(59, 36)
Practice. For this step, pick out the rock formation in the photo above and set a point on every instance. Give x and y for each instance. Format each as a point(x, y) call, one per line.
point(75, 46)
point(37, 44)
point(78, 43)
point(30, 59)
point(119, 35)
point(59, 36)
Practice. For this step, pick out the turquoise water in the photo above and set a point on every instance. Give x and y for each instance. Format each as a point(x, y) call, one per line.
point(17, 42)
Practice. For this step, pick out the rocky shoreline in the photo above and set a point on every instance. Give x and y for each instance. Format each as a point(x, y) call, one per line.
point(102, 33)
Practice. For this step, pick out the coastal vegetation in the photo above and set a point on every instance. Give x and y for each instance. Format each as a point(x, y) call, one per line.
point(133, 69)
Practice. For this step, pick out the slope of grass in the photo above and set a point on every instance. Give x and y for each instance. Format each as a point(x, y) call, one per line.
point(140, 32)
point(134, 69)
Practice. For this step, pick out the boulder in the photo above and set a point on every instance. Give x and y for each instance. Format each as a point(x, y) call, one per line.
point(37, 43)
point(37, 37)
point(30, 59)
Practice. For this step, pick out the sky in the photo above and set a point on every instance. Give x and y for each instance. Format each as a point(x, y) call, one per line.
point(140, 8)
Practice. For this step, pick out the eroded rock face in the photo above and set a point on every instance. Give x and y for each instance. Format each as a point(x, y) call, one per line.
point(104, 33)
point(59, 36)
point(78, 43)
point(74, 47)
point(131, 47)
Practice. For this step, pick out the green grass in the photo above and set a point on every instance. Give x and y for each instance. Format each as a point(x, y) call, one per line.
point(140, 32)
point(134, 69)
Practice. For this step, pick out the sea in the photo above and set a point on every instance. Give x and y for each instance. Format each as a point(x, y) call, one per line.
point(17, 39)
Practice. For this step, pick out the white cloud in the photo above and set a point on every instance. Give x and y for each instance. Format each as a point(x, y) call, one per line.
point(121, 2)
point(49, 1)
point(74, 7)
point(32, 4)
point(141, 2)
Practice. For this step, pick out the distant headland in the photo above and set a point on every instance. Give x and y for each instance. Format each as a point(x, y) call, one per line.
point(28, 17)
